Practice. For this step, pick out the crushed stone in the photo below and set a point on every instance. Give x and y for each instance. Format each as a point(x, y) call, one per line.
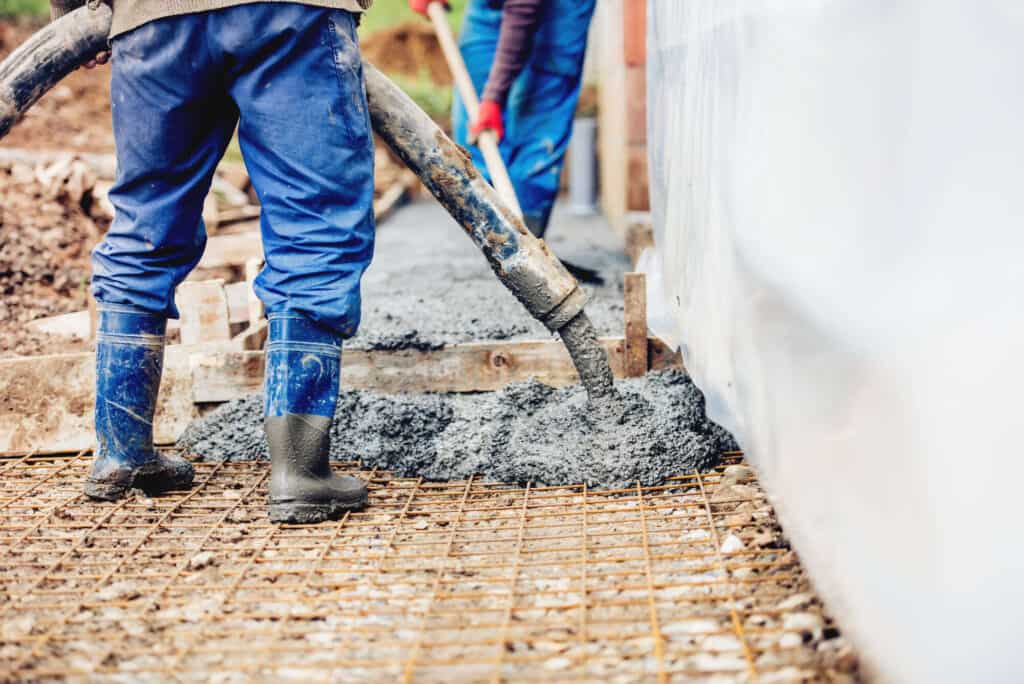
point(526, 432)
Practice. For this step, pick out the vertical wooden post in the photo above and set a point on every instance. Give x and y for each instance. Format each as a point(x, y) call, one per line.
point(94, 316)
point(203, 306)
point(256, 309)
point(635, 301)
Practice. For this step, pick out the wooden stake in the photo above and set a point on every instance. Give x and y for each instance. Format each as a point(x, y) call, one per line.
point(203, 306)
point(636, 325)
point(256, 308)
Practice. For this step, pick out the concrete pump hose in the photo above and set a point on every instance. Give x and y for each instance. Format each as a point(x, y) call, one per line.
point(49, 55)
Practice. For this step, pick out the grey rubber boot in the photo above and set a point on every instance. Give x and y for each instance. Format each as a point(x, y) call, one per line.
point(302, 382)
point(303, 488)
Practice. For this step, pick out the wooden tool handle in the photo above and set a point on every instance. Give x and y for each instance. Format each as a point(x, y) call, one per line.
point(486, 141)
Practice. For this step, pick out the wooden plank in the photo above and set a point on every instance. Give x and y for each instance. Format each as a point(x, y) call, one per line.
point(391, 199)
point(639, 234)
point(82, 323)
point(247, 212)
point(254, 305)
point(635, 304)
point(469, 367)
point(252, 338)
point(74, 324)
point(231, 250)
point(203, 305)
point(47, 402)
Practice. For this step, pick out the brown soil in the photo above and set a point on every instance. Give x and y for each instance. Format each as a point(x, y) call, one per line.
point(408, 49)
point(48, 220)
point(46, 233)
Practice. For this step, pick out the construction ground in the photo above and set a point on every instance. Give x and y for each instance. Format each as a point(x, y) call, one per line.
point(452, 581)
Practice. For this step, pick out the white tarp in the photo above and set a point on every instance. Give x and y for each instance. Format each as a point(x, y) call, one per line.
point(838, 199)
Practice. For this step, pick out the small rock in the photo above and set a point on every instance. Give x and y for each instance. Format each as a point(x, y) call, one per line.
point(201, 560)
point(803, 623)
point(739, 520)
point(698, 626)
point(696, 535)
point(764, 540)
point(119, 591)
point(790, 640)
point(736, 474)
point(16, 627)
point(787, 675)
point(734, 491)
point(796, 602)
point(722, 642)
point(559, 663)
point(732, 544)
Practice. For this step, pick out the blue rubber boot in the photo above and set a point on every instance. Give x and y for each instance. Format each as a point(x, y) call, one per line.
point(302, 382)
point(129, 362)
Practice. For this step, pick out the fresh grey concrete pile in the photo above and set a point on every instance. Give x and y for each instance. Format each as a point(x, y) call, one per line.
point(429, 286)
point(527, 432)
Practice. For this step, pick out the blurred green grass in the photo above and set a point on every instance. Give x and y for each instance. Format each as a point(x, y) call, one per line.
point(24, 8)
point(383, 14)
point(387, 13)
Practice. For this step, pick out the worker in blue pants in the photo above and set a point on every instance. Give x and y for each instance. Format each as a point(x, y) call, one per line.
point(525, 58)
point(289, 77)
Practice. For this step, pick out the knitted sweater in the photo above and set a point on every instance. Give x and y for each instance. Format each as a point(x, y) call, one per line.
point(129, 14)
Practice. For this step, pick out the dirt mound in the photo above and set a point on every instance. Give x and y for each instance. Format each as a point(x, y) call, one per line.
point(48, 224)
point(408, 49)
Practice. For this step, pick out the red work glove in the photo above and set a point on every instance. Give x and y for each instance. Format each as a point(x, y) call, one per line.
point(421, 6)
point(489, 119)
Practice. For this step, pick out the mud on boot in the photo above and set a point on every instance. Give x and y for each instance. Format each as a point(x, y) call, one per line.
point(110, 481)
point(129, 363)
point(302, 381)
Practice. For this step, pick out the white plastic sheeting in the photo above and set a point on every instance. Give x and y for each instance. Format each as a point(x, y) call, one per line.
point(838, 198)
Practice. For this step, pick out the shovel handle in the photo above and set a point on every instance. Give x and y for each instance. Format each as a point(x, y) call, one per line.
point(486, 141)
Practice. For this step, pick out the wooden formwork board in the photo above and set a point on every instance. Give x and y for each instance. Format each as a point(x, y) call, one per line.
point(47, 404)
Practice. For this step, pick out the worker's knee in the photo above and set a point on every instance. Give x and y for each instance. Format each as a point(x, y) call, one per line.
point(315, 267)
point(141, 266)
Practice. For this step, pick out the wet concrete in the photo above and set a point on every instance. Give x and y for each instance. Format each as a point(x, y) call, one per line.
point(429, 285)
point(527, 432)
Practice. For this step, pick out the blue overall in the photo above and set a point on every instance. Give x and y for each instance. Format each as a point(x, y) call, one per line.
point(289, 77)
point(542, 102)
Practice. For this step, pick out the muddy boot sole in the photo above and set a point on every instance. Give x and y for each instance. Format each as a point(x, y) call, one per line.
point(179, 476)
point(103, 491)
point(301, 513)
point(165, 480)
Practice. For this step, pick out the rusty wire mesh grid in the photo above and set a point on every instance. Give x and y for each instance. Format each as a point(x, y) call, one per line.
point(453, 582)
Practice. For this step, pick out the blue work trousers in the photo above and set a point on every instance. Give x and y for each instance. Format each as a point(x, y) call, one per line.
point(541, 105)
point(289, 77)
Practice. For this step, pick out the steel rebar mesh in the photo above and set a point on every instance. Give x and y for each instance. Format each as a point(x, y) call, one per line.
point(447, 582)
